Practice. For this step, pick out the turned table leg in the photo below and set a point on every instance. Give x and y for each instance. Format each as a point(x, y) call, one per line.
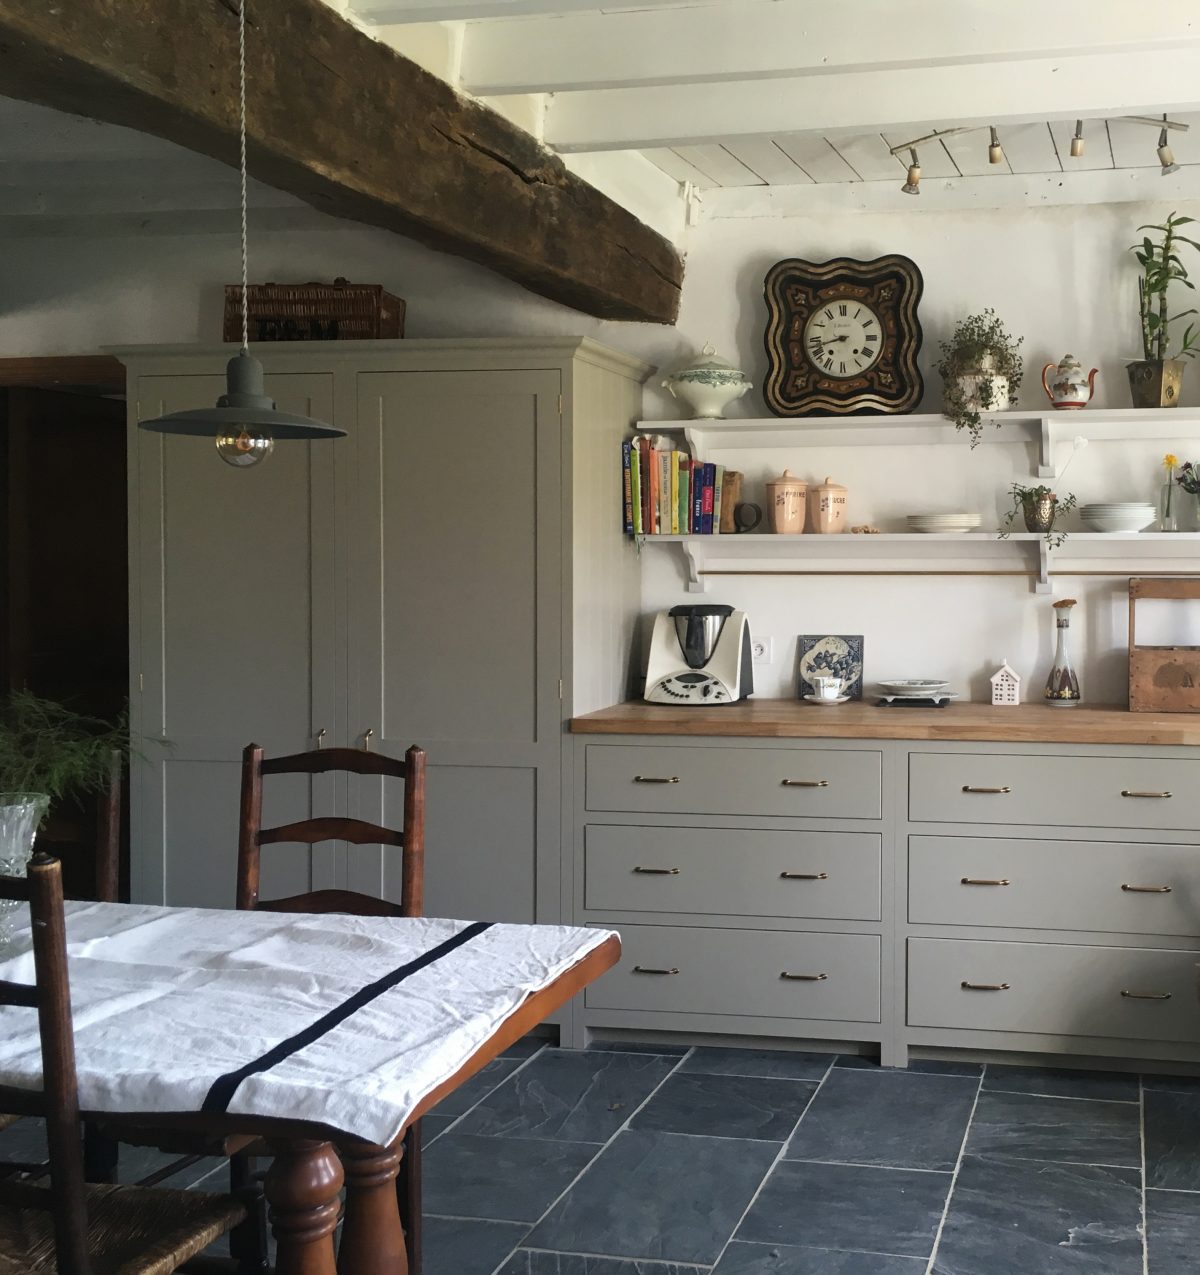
point(302, 1188)
point(372, 1237)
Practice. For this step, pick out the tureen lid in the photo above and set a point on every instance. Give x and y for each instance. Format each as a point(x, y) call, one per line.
point(709, 360)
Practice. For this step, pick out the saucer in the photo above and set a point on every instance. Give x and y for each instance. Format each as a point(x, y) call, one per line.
point(816, 699)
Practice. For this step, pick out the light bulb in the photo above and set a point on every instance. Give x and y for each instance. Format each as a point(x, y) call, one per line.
point(241, 448)
point(995, 150)
point(1077, 140)
point(1166, 157)
point(912, 185)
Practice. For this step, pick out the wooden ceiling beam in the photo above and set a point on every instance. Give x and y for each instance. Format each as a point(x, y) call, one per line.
point(351, 127)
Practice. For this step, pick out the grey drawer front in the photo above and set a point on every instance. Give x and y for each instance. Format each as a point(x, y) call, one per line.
point(740, 972)
point(1054, 989)
point(806, 783)
point(1054, 885)
point(732, 871)
point(1081, 791)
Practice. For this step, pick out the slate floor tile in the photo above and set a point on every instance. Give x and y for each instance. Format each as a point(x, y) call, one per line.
point(1062, 1082)
point(881, 1118)
point(848, 1206)
point(25, 1141)
point(1171, 1084)
point(576, 1096)
point(454, 1246)
point(916, 1066)
point(783, 1259)
point(502, 1179)
point(528, 1262)
point(1173, 1140)
point(640, 1047)
point(727, 1106)
point(1052, 1219)
point(433, 1126)
point(658, 1195)
point(781, 1064)
point(479, 1086)
point(1172, 1231)
point(526, 1047)
point(1012, 1126)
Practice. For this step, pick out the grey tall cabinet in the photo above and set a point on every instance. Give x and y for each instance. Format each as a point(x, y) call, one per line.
point(452, 573)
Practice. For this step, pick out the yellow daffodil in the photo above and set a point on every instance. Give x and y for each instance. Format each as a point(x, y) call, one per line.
point(1170, 460)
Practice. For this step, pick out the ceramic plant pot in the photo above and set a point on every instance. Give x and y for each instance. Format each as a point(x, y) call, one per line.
point(707, 385)
point(1155, 382)
point(1039, 512)
point(984, 391)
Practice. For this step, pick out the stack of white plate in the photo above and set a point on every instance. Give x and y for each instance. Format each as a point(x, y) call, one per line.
point(945, 523)
point(1119, 515)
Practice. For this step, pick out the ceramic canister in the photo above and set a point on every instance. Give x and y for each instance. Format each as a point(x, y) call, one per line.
point(827, 507)
point(785, 499)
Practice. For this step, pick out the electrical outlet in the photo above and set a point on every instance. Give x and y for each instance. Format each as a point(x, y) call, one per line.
point(762, 649)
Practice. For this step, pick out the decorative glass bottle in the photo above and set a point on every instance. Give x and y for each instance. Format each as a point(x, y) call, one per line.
point(1169, 496)
point(20, 815)
point(1062, 686)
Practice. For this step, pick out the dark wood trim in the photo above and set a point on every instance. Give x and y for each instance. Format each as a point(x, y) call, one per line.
point(99, 373)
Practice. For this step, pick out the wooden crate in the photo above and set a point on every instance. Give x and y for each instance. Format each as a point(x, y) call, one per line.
point(1163, 679)
point(337, 311)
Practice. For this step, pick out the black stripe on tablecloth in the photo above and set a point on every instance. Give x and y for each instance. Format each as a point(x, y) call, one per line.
point(224, 1087)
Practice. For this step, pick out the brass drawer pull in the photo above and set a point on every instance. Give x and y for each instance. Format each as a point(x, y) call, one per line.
point(803, 978)
point(1129, 792)
point(986, 881)
point(1146, 996)
point(649, 969)
point(804, 783)
point(655, 779)
point(971, 788)
point(984, 987)
point(1147, 889)
point(657, 872)
point(804, 876)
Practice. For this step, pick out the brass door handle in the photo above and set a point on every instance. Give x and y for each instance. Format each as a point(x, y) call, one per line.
point(971, 788)
point(986, 881)
point(803, 978)
point(650, 969)
point(321, 738)
point(655, 779)
point(1130, 792)
point(368, 735)
point(1147, 889)
point(1147, 996)
point(804, 876)
point(657, 872)
point(804, 783)
point(984, 987)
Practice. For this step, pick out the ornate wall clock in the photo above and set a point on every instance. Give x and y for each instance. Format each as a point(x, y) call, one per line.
point(842, 336)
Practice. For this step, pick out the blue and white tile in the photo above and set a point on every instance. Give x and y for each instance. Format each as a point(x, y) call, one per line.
point(501, 1179)
point(479, 1086)
point(1012, 1126)
point(777, 1064)
point(848, 1206)
point(664, 1196)
point(727, 1106)
point(1062, 1082)
point(882, 1118)
point(784, 1259)
point(1172, 1231)
point(1173, 1140)
point(1048, 1219)
point(461, 1246)
point(576, 1096)
point(531, 1262)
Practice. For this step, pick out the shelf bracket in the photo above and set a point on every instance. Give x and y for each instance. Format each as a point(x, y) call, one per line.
point(1046, 449)
point(693, 565)
point(1043, 583)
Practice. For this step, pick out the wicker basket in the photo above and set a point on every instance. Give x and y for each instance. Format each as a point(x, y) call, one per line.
point(337, 311)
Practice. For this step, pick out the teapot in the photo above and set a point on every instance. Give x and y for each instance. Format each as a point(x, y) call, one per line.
point(707, 385)
point(1068, 385)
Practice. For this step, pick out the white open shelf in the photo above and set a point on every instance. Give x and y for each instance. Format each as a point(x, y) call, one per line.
point(1043, 430)
point(976, 553)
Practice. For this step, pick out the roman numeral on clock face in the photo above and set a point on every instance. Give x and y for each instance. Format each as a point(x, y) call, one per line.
point(843, 310)
point(871, 336)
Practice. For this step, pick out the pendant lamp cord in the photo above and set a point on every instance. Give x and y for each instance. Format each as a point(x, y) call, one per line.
point(245, 196)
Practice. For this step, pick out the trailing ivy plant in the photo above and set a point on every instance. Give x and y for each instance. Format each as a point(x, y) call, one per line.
point(980, 346)
point(48, 748)
point(1024, 498)
point(1161, 267)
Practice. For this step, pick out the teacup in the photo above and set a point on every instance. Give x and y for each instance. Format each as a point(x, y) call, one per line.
point(827, 687)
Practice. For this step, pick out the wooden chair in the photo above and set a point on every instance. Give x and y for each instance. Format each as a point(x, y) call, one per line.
point(410, 839)
point(69, 1227)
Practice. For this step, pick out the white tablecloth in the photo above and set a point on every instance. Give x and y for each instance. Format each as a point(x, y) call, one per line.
point(350, 1021)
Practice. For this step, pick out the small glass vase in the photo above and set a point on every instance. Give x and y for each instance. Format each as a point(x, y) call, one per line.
point(1169, 500)
point(1062, 686)
point(21, 814)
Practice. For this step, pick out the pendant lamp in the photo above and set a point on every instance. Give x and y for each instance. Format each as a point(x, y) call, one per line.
point(245, 422)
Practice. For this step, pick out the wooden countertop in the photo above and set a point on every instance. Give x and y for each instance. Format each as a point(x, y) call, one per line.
point(793, 719)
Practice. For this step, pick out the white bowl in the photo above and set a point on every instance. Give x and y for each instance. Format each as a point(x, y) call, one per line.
point(1121, 522)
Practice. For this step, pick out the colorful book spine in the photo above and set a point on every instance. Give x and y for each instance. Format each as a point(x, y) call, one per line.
point(627, 487)
point(683, 515)
point(664, 491)
point(652, 502)
point(643, 450)
point(674, 501)
point(706, 517)
point(697, 523)
point(718, 480)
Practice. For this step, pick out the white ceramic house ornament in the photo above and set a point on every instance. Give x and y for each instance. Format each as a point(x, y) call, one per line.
point(1006, 687)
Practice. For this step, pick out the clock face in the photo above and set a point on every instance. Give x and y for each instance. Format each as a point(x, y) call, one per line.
point(843, 338)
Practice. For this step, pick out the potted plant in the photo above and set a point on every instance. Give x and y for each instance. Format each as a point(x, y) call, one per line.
point(1041, 508)
point(981, 371)
point(1155, 380)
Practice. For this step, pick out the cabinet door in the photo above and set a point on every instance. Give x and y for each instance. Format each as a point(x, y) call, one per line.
point(456, 626)
point(231, 619)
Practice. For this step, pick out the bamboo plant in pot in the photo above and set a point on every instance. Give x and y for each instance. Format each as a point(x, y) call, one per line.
point(1156, 379)
point(981, 371)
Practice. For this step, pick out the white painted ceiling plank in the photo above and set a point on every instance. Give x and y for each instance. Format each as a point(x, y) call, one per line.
point(969, 151)
point(867, 154)
point(1136, 145)
point(935, 159)
point(674, 165)
point(816, 157)
point(721, 168)
point(767, 160)
point(1029, 148)
point(1097, 153)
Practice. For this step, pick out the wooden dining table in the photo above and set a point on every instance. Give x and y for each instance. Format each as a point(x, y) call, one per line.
point(325, 1035)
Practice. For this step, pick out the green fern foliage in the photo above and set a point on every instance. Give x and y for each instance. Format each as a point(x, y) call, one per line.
point(48, 748)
